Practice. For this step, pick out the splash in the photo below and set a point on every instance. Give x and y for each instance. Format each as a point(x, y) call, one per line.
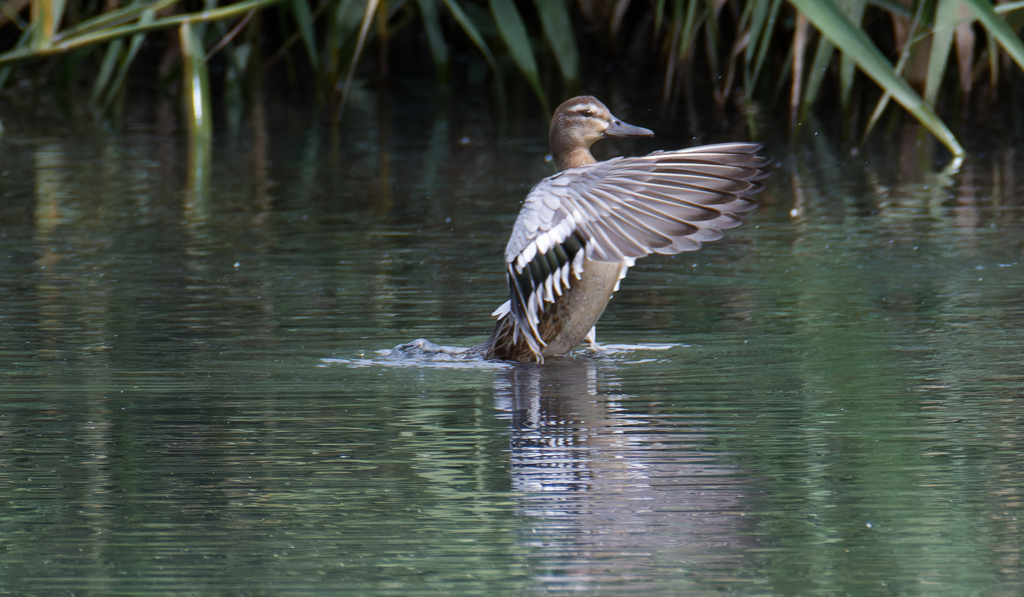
point(424, 353)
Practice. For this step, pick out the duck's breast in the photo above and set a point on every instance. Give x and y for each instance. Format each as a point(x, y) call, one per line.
point(566, 323)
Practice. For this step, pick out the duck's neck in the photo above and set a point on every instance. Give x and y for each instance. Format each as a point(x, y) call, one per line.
point(568, 153)
point(574, 158)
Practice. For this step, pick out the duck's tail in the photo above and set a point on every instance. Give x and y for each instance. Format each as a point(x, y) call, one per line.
point(507, 342)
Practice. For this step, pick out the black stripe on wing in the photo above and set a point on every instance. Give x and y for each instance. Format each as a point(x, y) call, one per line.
point(543, 277)
point(622, 209)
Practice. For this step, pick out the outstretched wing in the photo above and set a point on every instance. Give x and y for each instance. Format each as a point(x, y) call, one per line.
point(622, 209)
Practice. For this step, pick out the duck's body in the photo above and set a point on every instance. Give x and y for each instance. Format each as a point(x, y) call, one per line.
point(580, 230)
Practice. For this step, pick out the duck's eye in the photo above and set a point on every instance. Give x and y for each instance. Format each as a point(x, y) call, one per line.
point(587, 113)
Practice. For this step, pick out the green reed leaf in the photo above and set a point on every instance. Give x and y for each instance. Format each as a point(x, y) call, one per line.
point(690, 24)
point(304, 19)
point(478, 40)
point(345, 20)
point(195, 94)
point(471, 30)
point(855, 10)
point(554, 18)
point(110, 58)
point(659, 14)
point(893, 7)
point(997, 27)
point(904, 57)
point(12, 15)
point(20, 53)
point(364, 30)
point(823, 56)
point(113, 18)
point(435, 38)
point(513, 33)
point(946, 13)
point(133, 49)
point(195, 91)
point(46, 17)
point(816, 74)
point(762, 24)
point(835, 25)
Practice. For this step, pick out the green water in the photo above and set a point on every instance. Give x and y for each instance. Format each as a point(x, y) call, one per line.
point(192, 401)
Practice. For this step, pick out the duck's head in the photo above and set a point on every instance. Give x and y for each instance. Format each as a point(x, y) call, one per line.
point(581, 122)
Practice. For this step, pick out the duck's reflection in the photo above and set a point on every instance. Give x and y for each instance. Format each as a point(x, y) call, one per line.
point(607, 484)
point(551, 407)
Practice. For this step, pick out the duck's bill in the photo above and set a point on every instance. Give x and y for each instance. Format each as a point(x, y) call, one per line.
point(621, 129)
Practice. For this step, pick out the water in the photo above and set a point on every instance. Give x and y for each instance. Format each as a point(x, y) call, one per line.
point(193, 402)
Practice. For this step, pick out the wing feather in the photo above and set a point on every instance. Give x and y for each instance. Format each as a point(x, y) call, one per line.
point(620, 210)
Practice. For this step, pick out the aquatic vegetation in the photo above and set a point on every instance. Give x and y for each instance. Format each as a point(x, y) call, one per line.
point(748, 52)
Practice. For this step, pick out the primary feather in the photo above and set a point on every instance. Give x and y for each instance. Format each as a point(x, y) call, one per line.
point(611, 213)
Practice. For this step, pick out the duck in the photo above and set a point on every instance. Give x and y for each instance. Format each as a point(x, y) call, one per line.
point(580, 230)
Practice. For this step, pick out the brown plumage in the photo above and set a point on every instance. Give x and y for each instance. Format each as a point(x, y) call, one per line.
point(580, 230)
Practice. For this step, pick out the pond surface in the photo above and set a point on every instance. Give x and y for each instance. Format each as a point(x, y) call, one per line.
point(193, 403)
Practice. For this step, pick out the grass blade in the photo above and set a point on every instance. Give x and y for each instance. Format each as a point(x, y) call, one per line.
point(690, 26)
point(993, 63)
point(304, 19)
point(720, 87)
point(348, 16)
point(471, 30)
point(67, 44)
point(364, 30)
point(1006, 7)
point(46, 17)
point(799, 48)
point(513, 32)
point(229, 36)
point(435, 37)
point(554, 18)
point(478, 40)
point(195, 84)
point(832, 23)
point(110, 58)
point(819, 66)
point(762, 25)
point(195, 93)
point(855, 10)
point(893, 7)
point(235, 94)
point(946, 12)
point(998, 28)
point(113, 18)
point(344, 20)
point(133, 50)
point(9, 12)
point(904, 57)
point(758, 20)
point(965, 55)
point(5, 72)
